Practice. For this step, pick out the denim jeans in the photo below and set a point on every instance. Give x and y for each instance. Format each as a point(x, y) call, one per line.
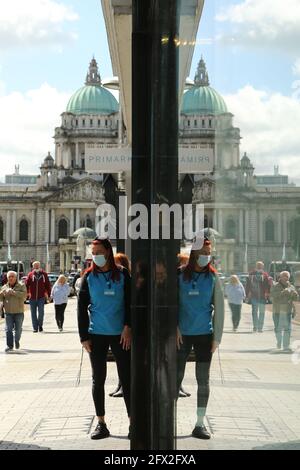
point(37, 321)
point(282, 325)
point(236, 311)
point(258, 314)
point(14, 321)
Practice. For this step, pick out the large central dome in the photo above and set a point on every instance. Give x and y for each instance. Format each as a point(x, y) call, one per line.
point(202, 98)
point(93, 98)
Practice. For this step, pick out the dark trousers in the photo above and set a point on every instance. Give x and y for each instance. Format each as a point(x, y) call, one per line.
point(98, 358)
point(236, 314)
point(60, 314)
point(202, 345)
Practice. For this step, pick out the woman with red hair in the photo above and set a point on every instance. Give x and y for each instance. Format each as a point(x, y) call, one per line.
point(104, 321)
point(200, 323)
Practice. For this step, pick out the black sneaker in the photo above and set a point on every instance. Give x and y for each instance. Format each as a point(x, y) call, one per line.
point(200, 432)
point(17, 344)
point(41, 328)
point(101, 432)
point(35, 331)
point(8, 349)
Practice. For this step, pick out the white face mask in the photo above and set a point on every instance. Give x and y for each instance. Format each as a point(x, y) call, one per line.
point(203, 260)
point(99, 260)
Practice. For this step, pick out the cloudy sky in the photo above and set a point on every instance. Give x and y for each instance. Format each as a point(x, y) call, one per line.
point(251, 48)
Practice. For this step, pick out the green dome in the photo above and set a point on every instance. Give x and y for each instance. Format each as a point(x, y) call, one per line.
point(92, 99)
point(203, 100)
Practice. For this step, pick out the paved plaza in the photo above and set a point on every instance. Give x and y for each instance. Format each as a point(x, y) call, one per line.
point(254, 404)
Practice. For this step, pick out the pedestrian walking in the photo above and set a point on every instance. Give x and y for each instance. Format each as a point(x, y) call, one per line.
point(258, 293)
point(39, 291)
point(235, 293)
point(103, 322)
point(200, 324)
point(13, 295)
point(60, 293)
point(283, 294)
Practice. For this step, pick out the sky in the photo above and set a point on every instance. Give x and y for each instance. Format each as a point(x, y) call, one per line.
point(251, 49)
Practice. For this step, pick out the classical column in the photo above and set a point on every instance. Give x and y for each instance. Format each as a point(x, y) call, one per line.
point(247, 237)
point(68, 261)
point(52, 226)
point(47, 225)
point(220, 222)
point(215, 221)
point(72, 222)
point(32, 235)
point(8, 226)
point(241, 226)
point(260, 228)
point(14, 227)
point(77, 156)
point(284, 227)
point(279, 229)
point(62, 261)
point(77, 219)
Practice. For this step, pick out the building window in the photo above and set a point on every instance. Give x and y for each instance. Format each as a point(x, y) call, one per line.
point(1, 230)
point(83, 122)
point(189, 123)
point(23, 231)
point(63, 229)
point(105, 122)
point(195, 123)
point(230, 229)
point(210, 123)
point(203, 122)
point(269, 231)
point(99, 122)
point(91, 122)
point(88, 222)
point(76, 122)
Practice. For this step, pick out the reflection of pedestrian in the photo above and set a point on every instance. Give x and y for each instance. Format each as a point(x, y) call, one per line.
point(283, 294)
point(200, 325)
point(60, 293)
point(39, 290)
point(235, 293)
point(122, 260)
point(258, 292)
point(104, 321)
point(13, 295)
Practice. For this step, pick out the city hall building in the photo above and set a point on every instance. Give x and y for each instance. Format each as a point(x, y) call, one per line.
point(41, 216)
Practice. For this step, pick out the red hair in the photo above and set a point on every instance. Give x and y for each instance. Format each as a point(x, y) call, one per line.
point(190, 267)
point(105, 242)
point(123, 260)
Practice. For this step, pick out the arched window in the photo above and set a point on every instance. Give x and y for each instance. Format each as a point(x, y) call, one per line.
point(63, 229)
point(1, 230)
point(269, 231)
point(23, 231)
point(230, 229)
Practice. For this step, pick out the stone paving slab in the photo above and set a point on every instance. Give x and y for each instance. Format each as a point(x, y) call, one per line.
point(254, 404)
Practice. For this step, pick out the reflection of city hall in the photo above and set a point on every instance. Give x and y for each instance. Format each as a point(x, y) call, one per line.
point(247, 210)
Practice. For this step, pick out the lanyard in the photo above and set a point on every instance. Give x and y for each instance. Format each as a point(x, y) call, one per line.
point(196, 280)
point(108, 283)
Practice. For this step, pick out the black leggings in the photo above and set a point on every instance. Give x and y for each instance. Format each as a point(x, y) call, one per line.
point(60, 314)
point(236, 314)
point(98, 357)
point(202, 345)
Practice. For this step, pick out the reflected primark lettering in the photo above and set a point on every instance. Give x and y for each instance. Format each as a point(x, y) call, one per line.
point(150, 262)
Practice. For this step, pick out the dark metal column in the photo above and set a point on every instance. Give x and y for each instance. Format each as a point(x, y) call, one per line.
point(154, 181)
